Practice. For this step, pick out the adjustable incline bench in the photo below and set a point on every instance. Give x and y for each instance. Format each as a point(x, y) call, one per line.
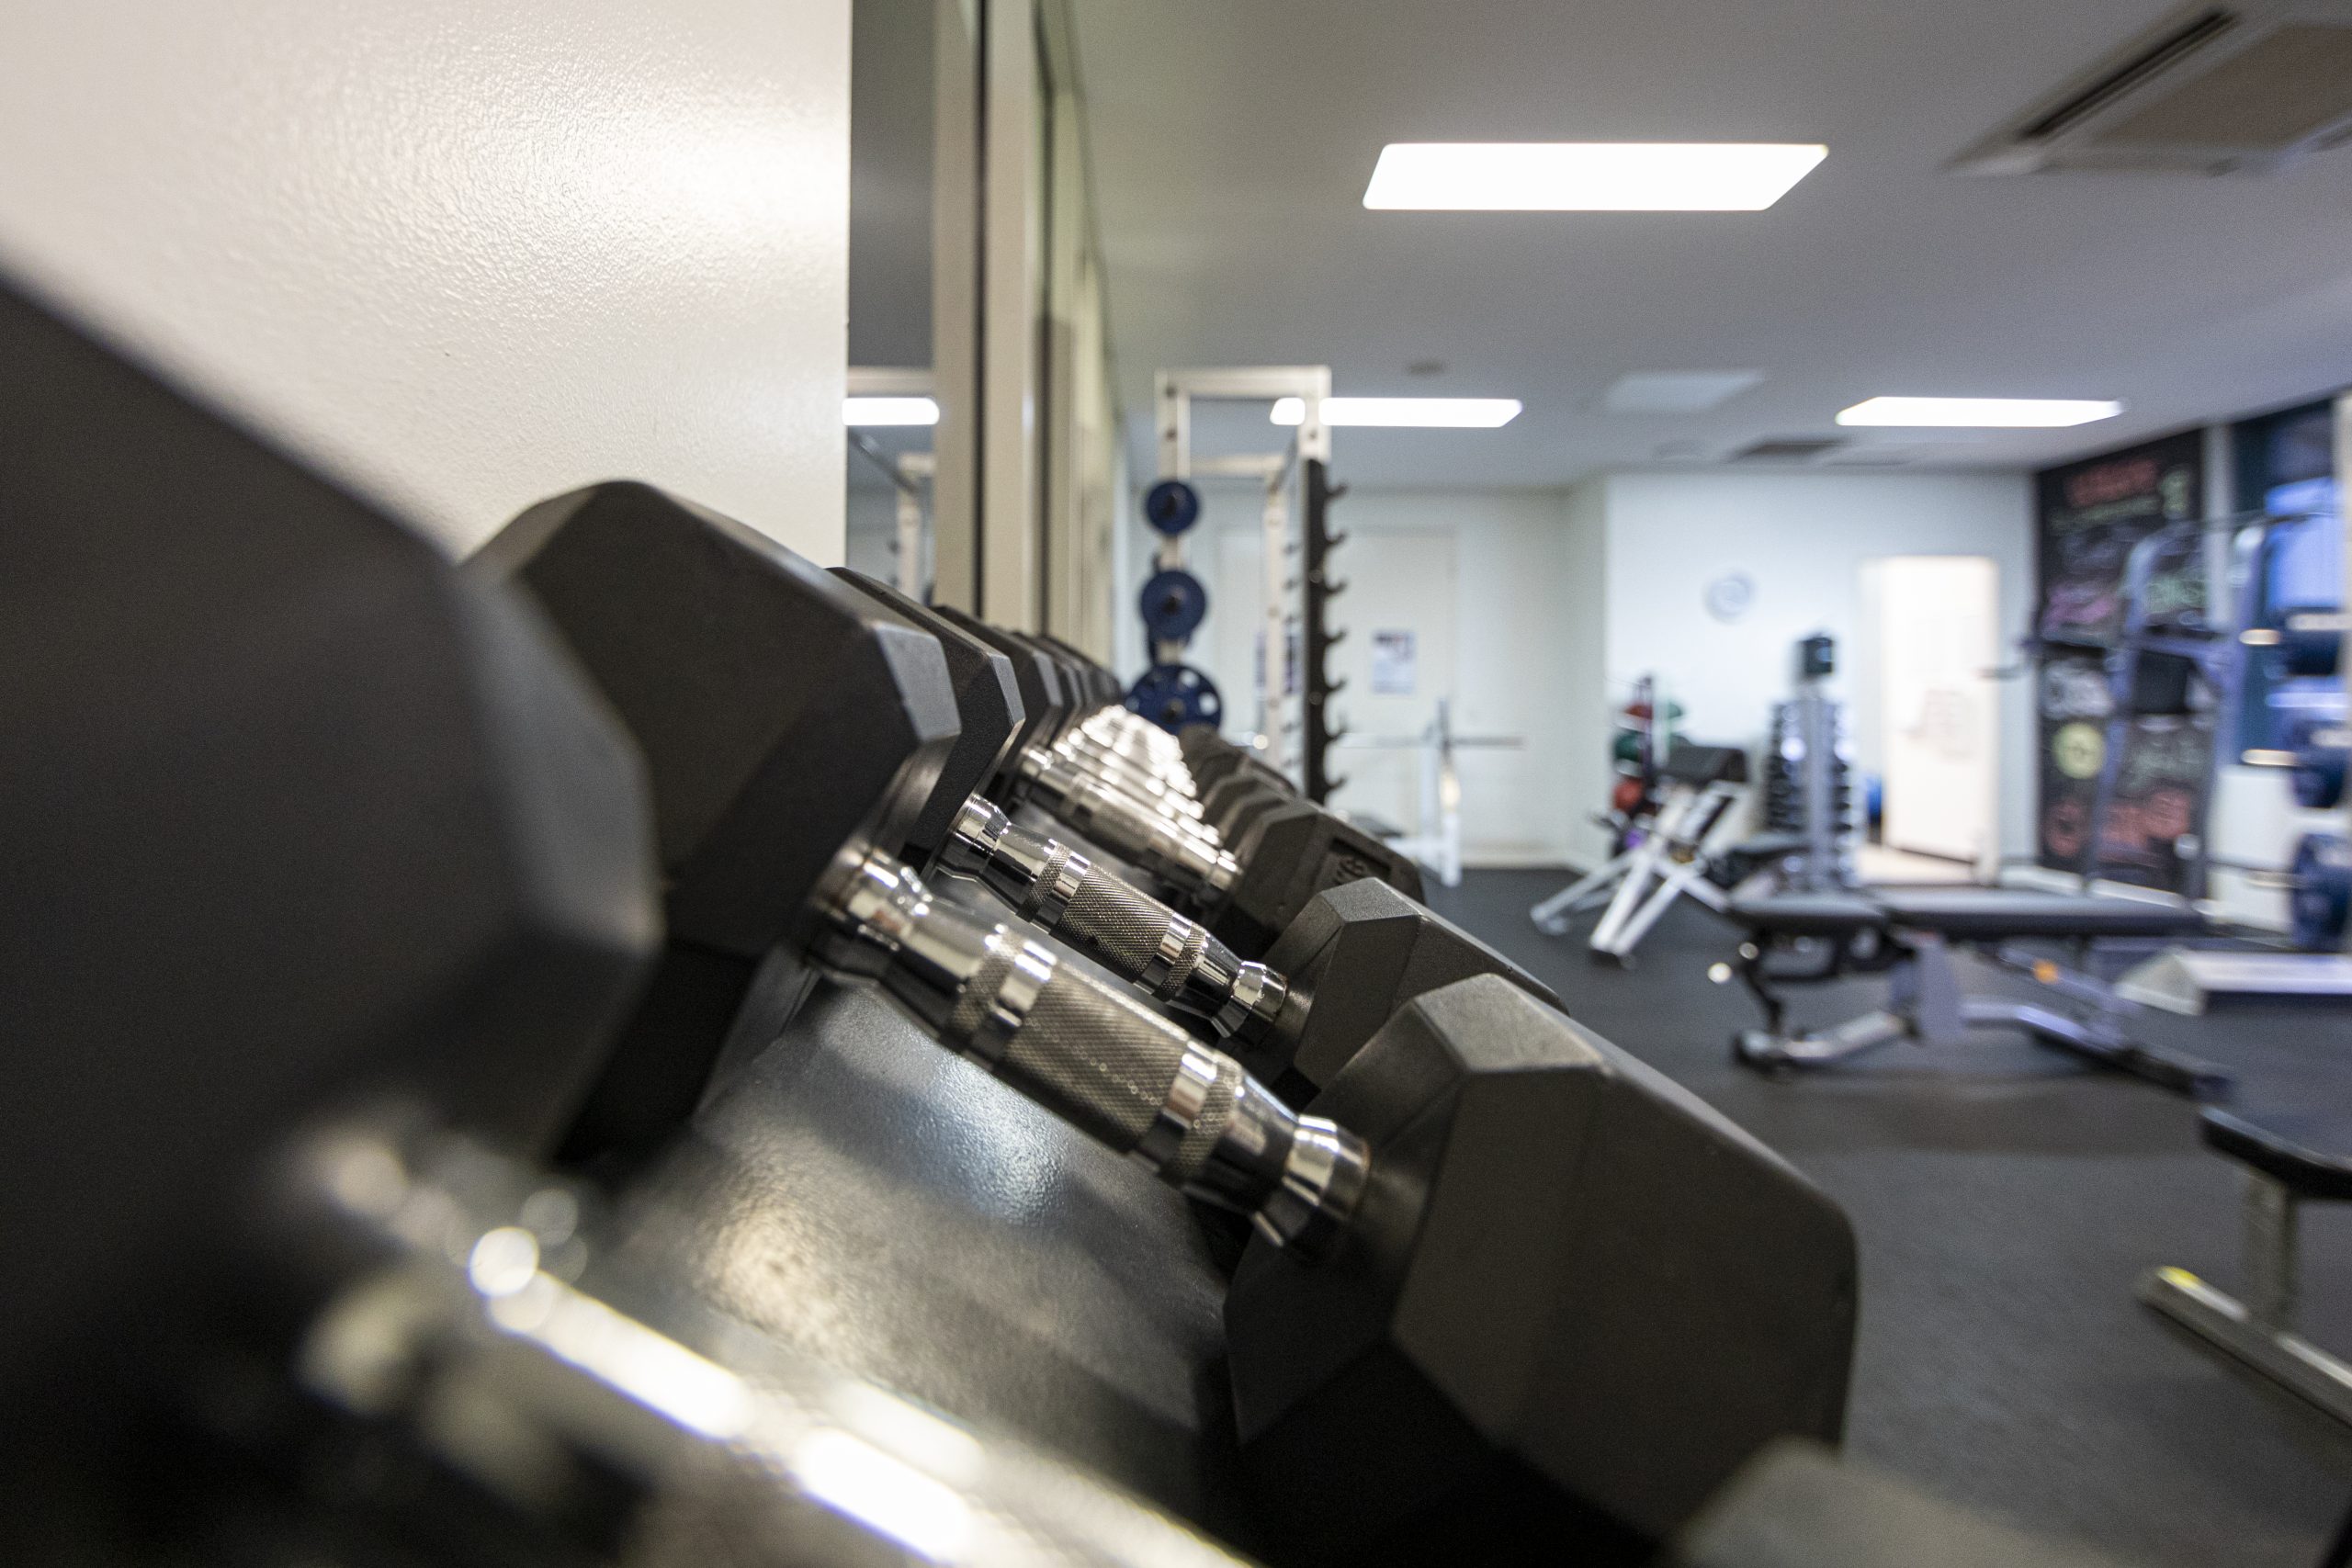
point(1908, 934)
point(1697, 814)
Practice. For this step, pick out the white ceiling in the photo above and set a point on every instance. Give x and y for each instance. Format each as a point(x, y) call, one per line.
point(1232, 139)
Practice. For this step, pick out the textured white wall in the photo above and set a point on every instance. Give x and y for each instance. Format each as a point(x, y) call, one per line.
point(467, 255)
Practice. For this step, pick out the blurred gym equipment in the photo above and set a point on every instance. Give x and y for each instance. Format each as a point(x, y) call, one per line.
point(1908, 933)
point(2291, 1158)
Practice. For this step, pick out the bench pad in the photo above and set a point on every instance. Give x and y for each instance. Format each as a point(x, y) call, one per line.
point(1808, 914)
point(2308, 1152)
point(1967, 913)
point(1981, 913)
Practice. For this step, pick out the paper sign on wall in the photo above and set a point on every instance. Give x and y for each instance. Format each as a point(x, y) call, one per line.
point(1393, 663)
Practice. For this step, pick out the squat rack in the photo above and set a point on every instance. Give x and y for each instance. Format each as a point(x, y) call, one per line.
point(1278, 676)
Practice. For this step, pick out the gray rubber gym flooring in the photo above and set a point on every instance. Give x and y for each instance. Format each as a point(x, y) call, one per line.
point(2007, 1197)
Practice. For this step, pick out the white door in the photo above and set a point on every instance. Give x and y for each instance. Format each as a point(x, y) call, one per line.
point(1938, 636)
point(1398, 660)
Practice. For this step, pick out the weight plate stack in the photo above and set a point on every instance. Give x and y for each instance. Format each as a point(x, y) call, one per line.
point(2318, 775)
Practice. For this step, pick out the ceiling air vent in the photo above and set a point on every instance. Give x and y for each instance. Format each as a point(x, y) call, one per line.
point(2212, 90)
point(1787, 449)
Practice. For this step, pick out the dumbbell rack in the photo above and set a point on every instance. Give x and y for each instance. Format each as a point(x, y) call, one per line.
point(1808, 774)
point(443, 1344)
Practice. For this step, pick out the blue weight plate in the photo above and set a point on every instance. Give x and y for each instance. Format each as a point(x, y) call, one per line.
point(2323, 900)
point(1173, 605)
point(1171, 506)
point(1174, 695)
point(2318, 776)
point(2306, 651)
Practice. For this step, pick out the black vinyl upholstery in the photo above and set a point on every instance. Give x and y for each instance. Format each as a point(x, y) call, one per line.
point(2308, 1151)
point(1968, 914)
point(1702, 765)
point(1971, 913)
point(1808, 914)
point(1771, 846)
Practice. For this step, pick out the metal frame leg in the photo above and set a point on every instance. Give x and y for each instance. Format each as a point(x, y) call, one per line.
point(1926, 988)
point(1706, 892)
point(1814, 1048)
point(1621, 942)
point(2270, 1251)
point(1779, 1047)
point(2258, 1332)
point(2101, 1032)
point(1551, 916)
point(2098, 1039)
point(1628, 897)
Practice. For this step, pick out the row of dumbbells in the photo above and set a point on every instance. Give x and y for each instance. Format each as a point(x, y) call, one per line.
point(358, 893)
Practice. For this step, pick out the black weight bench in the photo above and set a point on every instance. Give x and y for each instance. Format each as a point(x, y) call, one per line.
point(1908, 933)
point(2291, 1158)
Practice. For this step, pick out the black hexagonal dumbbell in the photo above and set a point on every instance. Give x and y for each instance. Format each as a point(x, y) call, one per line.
point(1246, 888)
point(1235, 806)
point(1046, 881)
point(1082, 752)
point(298, 820)
point(1219, 797)
point(792, 731)
point(672, 552)
point(1357, 954)
point(1483, 1110)
point(1570, 1301)
point(1361, 949)
point(1213, 758)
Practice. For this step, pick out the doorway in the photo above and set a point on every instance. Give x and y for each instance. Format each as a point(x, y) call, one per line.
point(1928, 712)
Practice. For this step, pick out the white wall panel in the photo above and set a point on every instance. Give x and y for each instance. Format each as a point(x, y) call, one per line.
point(1520, 614)
point(1579, 757)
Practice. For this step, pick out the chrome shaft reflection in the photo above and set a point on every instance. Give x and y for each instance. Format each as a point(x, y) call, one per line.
point(476, 1331)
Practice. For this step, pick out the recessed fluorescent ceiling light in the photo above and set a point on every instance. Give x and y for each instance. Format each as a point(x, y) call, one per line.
point(1588, 176)
point(1990, 413)
point(1431, 413)
point(889, 411)
point(1677, 391)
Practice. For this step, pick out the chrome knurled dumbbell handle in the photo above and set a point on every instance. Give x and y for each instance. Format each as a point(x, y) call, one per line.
point(1125, 1076)
point(1119, 925)
point(1191, 862)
